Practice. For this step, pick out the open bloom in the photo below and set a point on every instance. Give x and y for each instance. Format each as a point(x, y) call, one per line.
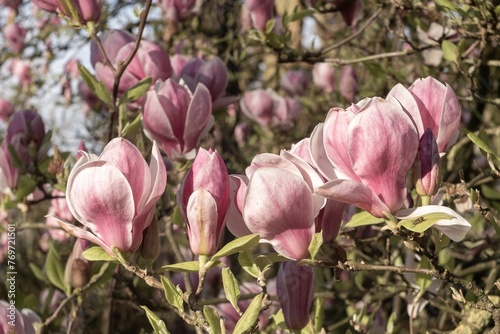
point(203, 201)
point(295, 289)
point(366, 152)
point(277, 203)
point(114, 195)
point(177, 118)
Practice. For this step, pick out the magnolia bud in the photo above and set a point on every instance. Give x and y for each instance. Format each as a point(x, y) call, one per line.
point(426, 165)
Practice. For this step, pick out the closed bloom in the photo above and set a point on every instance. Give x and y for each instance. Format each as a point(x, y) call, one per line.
point(348, 83)
point(261, 11)
point(278, 203)
point(177, 118)
point(432, 105)
point(114, 195)
point(177, 10)
point(324, 76)
point(149, 61)
point(6, 109)
point(15, 34)
point(203, 201)
point(258, 105)
point(21, 69)
point(371, 146)
point(295, 289)
point(88, 10)
point(294, 82)
point(212, 74)
point(425, 170)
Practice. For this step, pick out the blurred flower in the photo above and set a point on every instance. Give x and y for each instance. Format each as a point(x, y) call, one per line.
point(258, 105)
point(324, 76)
point(177, 118)
point(114, 195)
point(241, 132)
point(177, 10)
point(295, 289)
point(294, 82)
point(88, 10)
point(348, 83)
point(203, 201)
point(77, 269)
point(13, 321)
point(351, 10)
point(367, 165)
point(433, 36)
point(425, 170)
point(212, 73)
point(260, 11)
point(14, 34)
point(22, 70)
point(6, 109)
point(178, 61)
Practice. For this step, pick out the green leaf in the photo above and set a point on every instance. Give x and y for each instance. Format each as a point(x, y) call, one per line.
point(133, 126)
point(231, 289)
point(450, 51)
point(275, 257)
point(158, 325)
point(315, 244)
point(263, 263)
point(96, 253)
point(183, 267)
point(37, 272)
point(213, 319)
point(237, 245)
point(362, 219)
point(16, 161)
point(423, 281)
point(96, 86)
point(173, 294)
point(300, 14)
point(136, 91)
point(481, 143)
point(447, 4)
point(319, 314)
point(249, 318)
point(422, 223)
point(25, 187)
point(246, 261)
point(54, 269)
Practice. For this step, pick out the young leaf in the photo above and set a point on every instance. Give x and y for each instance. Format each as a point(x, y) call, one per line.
point(37, 272)
point(450, 51)
point(25, 187)
point(173, 294)
point(158, 325)
point(237, 245)
point(132, 126)
point(362, 219)
point(263, 263)
point(249, 318)
point(54, 269)
point(96, 253)
point(136, 91)
point(447, 4)
point(315, 244)
point(423, 281)
point(481, 143)
point(183, 267)
point(300, 14)
point(422, 223)
point(231, 289)
point(246, 261)
point(97, 87)
point(213, 319)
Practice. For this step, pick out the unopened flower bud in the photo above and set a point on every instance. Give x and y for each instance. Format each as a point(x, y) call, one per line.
point(426, 165)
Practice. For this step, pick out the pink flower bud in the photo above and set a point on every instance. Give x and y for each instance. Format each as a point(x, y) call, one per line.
point(88, 10)
point(329, 219)
point(294, 82)
point(324, 76)
point(258, 105)
point(286, 110)
point(241, 132)
point(177, 10)
point(48, 5)
point(261, 11)
point(295, 289)
point(177, 118)
point(15, 34)
point(426, 166)
point(370, 163)
point(112, 41)
point(22, 70)
point(213, 74)
point(178, 62)
point(77, 270)
point(150, 247)
point(6, 109)
point(348, 83)
point(203, 201)
point(114, 195)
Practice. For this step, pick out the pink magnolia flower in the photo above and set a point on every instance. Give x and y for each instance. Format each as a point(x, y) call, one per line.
point(203, 201)
point(366, 163)
point(14, 34)
point(324, 76)
point(294, 82)
point(149, 61)
point(114, 195)
point(177, 10)
point(22, 70)
point(88, 10)
point(6, 109)
point(23, 320)
point(212, 73)
point(12, 4)
point(295, 289)
point(112, 41)
point(258, 105)
point(261, 11)
point(178, 61)
point(277, 203)
point(77, 269)
point(348, 83)
point(177, 118)
point(9, 175)
point(286, 110)
point(59, 208)
point(425, 170)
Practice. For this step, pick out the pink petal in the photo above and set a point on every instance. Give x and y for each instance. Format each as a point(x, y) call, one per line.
point(318, 154)
point(199, 117)
point(235, 223)
point(202, 219)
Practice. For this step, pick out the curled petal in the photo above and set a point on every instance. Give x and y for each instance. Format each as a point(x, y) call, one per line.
point(455, 228)
point(202, 219)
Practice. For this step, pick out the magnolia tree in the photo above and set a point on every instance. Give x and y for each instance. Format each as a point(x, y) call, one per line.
point(250, 166)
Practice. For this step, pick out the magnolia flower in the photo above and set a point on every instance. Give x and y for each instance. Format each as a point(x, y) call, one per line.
point(203, 201)
point(88, 10)
point(176, 118)
point(366, 163)
point(114, 195)
point(260, 11)
point(294, 82)
point(324, 76)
